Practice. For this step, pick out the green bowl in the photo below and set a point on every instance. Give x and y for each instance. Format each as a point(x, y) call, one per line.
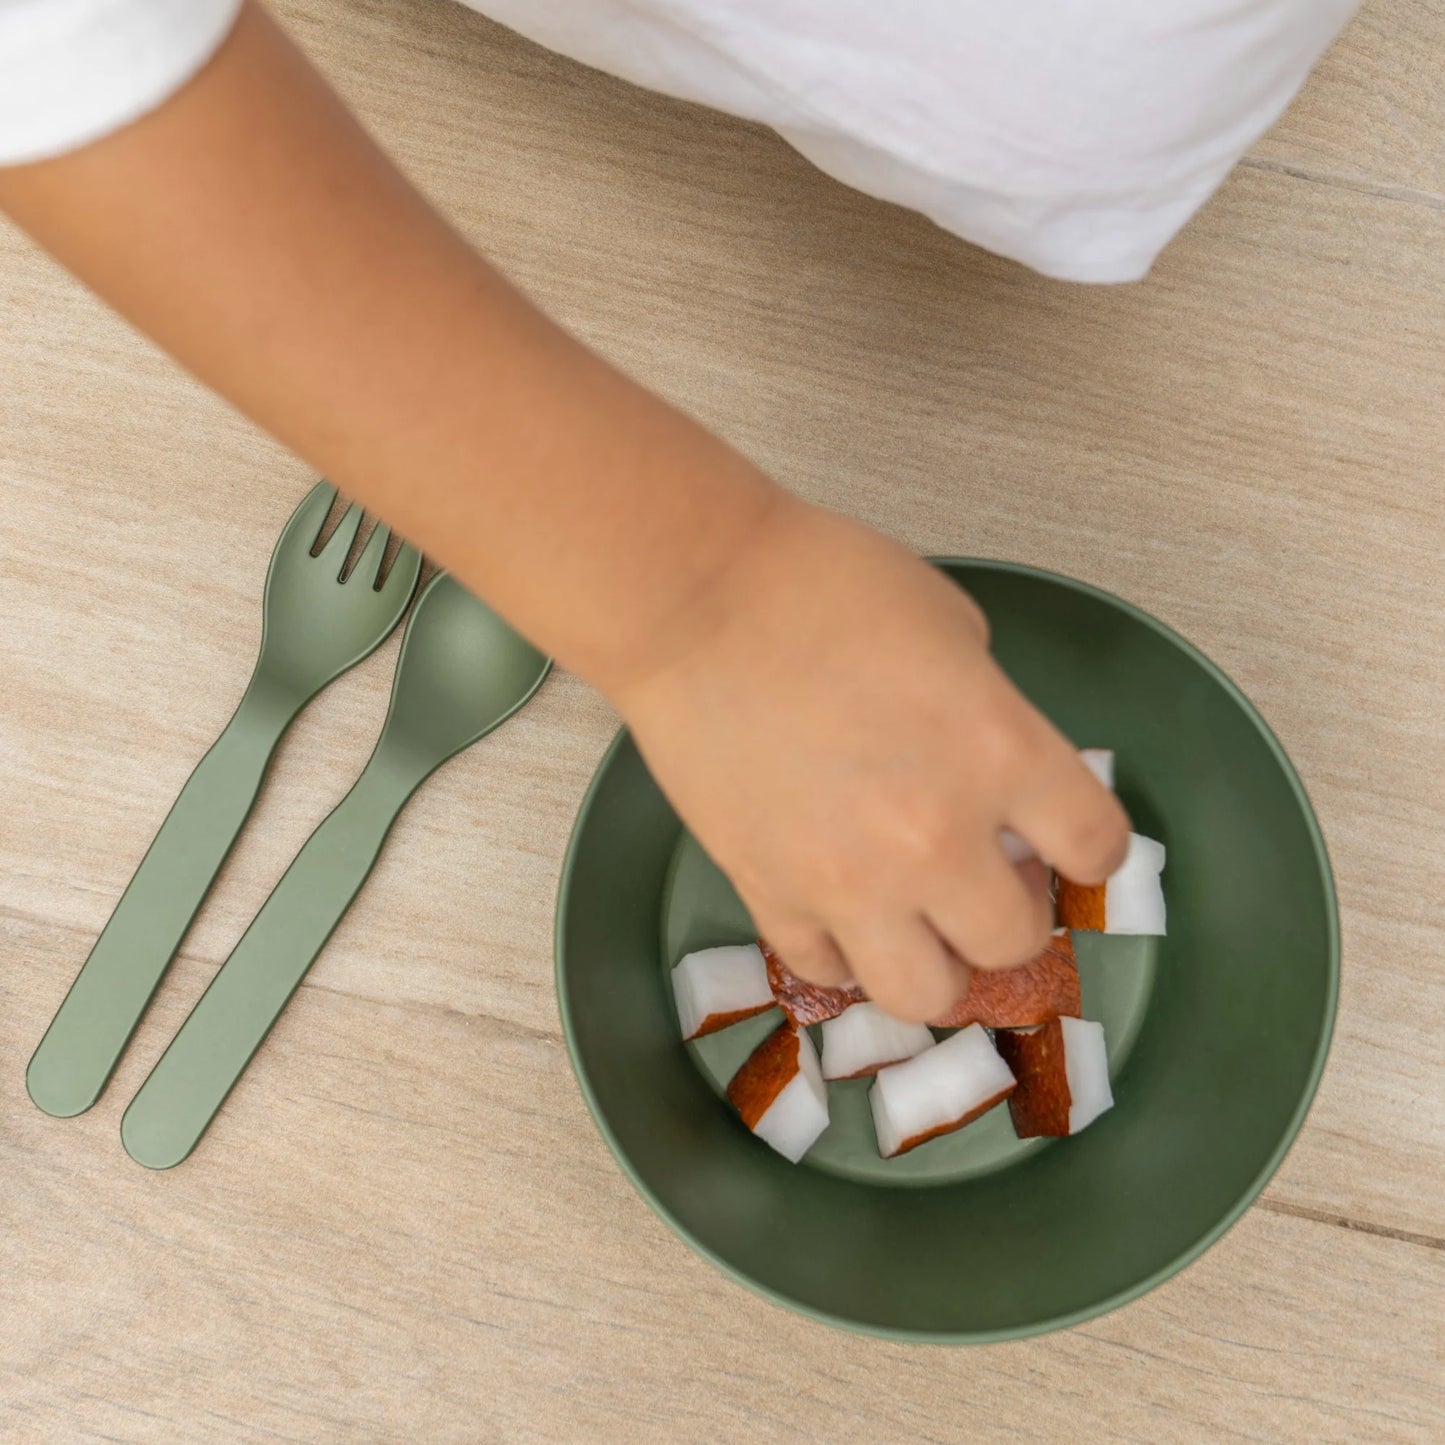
point(1217, 1034)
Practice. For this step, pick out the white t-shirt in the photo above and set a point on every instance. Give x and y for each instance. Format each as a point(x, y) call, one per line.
point(1075, 137)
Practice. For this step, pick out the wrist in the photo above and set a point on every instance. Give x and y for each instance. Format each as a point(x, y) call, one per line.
point(712, 596)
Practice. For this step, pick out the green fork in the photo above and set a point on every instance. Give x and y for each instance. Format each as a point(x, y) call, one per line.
point(462, 673)
point(318, 620)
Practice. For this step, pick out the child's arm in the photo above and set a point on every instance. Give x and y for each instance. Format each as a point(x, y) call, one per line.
point(819, 705)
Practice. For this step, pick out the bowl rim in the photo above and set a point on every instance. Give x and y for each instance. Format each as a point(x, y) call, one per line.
point(1186, 1256)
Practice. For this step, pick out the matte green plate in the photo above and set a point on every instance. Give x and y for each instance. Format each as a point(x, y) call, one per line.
point(1217, 1034)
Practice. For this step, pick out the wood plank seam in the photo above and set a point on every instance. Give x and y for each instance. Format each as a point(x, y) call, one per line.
point(1410, 195)
point(1344, 1221)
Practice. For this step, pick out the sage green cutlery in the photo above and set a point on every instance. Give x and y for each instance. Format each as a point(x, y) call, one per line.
point(317, 621)
point(462, 672)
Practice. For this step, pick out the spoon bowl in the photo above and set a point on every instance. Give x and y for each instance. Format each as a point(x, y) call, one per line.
point(462, 672)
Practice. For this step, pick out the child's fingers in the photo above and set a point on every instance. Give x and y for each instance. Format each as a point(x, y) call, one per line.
point(903, 965)
point(808, 951)
point(1038, 878)
point(992, 912)
point(1073, 821)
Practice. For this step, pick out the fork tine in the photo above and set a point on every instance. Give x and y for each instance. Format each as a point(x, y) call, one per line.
point(307, 520)
point(337, 549)
point(368, 565)
point(405, 569)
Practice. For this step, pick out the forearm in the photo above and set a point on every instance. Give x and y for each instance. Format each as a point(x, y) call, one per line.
point(252, 229)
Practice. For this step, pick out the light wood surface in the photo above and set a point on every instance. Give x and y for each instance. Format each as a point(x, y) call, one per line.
point(403, 1226)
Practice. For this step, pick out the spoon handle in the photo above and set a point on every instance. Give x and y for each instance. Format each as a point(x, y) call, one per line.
point(92, 1027)
point(177, 1102)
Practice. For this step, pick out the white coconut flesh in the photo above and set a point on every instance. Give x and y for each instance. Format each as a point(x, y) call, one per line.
point(936, 1088)
point(717, 982)
point(1086, 1067)
point(862, 1039)
point(795, 1119)
point(1134, 896)
point(1100, 762)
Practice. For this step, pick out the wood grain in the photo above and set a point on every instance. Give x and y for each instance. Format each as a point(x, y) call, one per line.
point(1372, 112)
point(404, 1226)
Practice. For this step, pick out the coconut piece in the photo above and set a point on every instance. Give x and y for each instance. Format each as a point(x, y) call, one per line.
point(1011, 998)
point(1087, 1064)
point(864, 1039)
point(1100, 762)
point(1132, 901)
point(804, 1002)
point(780, 1092)
point(1063, 1077)
point(715, 987)
point(938, 1091)
point(1040, 1104)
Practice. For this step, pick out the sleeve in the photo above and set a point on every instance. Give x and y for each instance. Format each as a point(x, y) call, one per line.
point(1077, 138)
point(71, 71)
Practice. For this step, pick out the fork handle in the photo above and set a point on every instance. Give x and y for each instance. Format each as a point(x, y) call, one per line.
point(93, 1025)
point(177, 1102)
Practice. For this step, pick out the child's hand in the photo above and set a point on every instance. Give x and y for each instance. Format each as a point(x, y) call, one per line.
point(820, 706)
point(839, 739)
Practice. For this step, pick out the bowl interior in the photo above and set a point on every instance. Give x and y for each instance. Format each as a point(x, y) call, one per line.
point(1217, 1033)
point(700, 909)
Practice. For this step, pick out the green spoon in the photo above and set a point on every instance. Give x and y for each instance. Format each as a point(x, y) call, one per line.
point(317, 621)
point(462, 672)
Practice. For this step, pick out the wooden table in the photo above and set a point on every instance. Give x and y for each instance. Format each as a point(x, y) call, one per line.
point(404, 1226)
